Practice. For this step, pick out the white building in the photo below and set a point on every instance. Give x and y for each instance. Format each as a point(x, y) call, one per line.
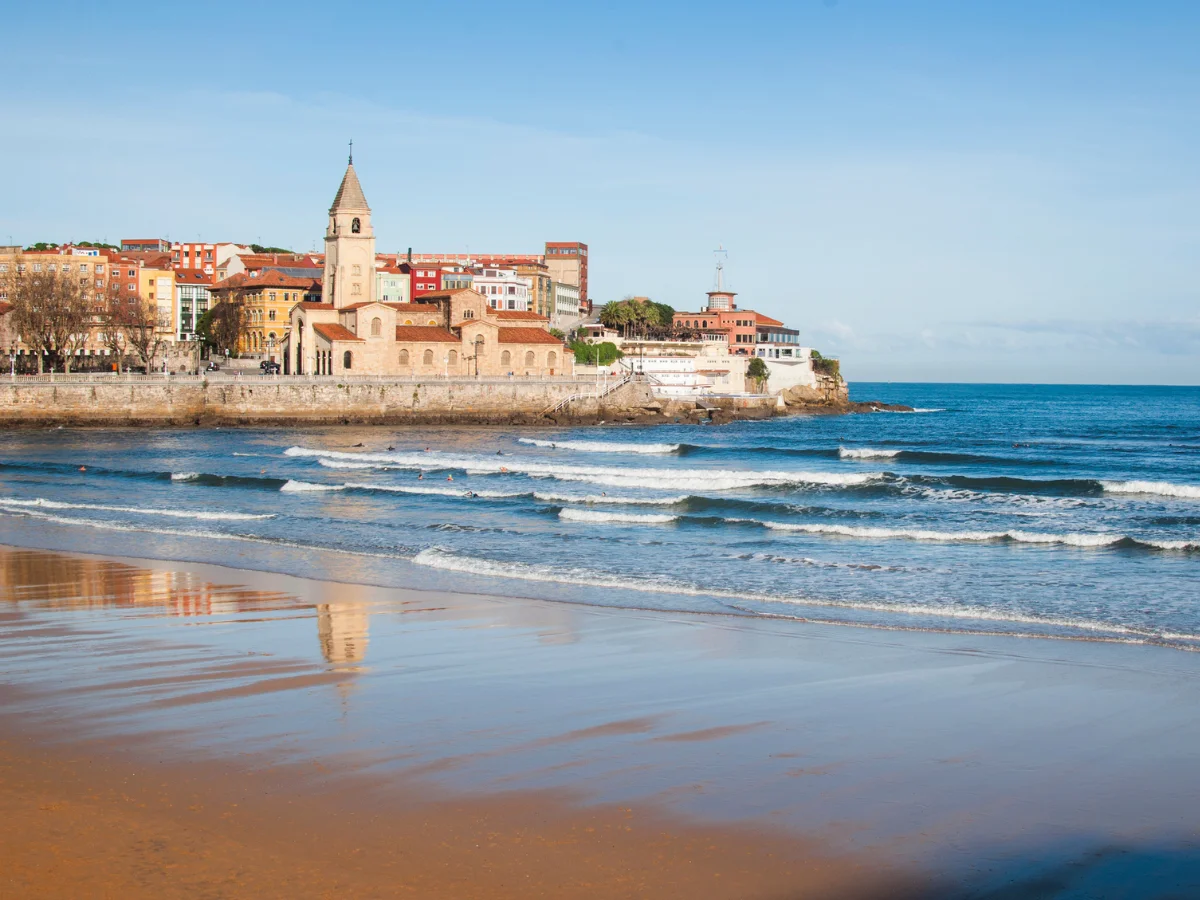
point(502, 288)
point(392, 285)
point(564, 304)
point(684, 368)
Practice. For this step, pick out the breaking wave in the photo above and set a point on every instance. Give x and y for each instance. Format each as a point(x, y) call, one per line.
point(184, 476)
point(587, 515)
point(601, 446)
point(301, 487)
point(867, 453)
point(609, 476)
point(1159, 488)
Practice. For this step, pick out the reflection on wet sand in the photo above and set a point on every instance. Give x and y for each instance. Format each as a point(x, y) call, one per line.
point(33, 579)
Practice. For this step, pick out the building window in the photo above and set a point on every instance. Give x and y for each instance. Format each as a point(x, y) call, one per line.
point(271, 315)
point(506, 358)
point(355, 225)
point(356, 270)
point(376, 327)
point(404, 357)
point(551, 359)
point(428, 358)
point(468, 313)
point(529, 358)
point(346, 360)
point(453, 357)
point(356, 289)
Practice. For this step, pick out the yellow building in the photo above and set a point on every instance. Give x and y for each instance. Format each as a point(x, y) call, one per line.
point(266, 301)
point(157, 286)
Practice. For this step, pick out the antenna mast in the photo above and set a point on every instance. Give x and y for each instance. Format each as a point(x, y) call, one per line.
point(722, 254)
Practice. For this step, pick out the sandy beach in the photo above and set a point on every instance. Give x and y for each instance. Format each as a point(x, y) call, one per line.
point(178, 729)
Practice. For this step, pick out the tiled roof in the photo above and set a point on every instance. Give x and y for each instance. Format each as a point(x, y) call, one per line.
point(767, 320)
point(512, 314)
point(350, 193)
point(361, 305)
point(269, 278)
point(426, 334)
point(309, 304)
point(527, 336)
point(446, 293)
point(334, 332)
point(194, 276)
point(414, 308)
point(5, 309)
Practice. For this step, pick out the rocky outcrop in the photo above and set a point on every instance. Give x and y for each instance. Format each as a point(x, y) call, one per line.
point(832, 395)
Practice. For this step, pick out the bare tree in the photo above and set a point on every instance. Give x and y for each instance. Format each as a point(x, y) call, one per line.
point(226, 320)
point(112, 324)
point(51, 310)
point(143, 326)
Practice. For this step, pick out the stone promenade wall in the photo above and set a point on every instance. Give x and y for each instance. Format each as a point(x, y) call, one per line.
point(250, 402)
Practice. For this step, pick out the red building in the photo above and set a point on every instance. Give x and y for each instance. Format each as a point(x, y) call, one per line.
point(722, 316)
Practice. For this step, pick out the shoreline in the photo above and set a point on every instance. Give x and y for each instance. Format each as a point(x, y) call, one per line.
point(796, 760)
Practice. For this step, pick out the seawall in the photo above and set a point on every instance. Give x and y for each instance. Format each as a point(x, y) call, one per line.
point(142, 400)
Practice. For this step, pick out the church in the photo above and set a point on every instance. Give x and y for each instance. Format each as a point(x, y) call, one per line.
point(448, 334)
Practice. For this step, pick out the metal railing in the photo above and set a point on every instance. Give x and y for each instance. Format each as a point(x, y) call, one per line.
point(597, 393)
point(255, 377)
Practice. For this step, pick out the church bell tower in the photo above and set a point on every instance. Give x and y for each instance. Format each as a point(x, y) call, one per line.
point(349, 245)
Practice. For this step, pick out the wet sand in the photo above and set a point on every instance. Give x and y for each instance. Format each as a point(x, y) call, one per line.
point(174, 729)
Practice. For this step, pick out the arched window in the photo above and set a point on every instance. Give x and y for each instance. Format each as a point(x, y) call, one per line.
point(551, 359)
point(529, 358)
point(428, 358)
point(453, 357)
point(376, 327)
point(468, 313)
point(408, 321)
point(346, 360)
point(355, 225)
point(506, 358)
point(432, 322)
point(404, 357)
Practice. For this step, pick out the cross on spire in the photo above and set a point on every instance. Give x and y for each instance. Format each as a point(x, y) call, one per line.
point(351, 151)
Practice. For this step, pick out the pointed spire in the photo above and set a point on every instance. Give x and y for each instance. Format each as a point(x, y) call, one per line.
point(350, 193)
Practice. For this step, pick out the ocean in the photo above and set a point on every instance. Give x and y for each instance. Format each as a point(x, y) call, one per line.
point(1042, 511)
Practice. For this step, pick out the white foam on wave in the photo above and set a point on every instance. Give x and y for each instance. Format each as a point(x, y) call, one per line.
point(1190, 546)
point(866, 453)
point(435, 491)
point(589, 515)
point(618, 499)
point(184, 476)
point(916, 534)
point(139, 510)
point(667, 478)
point(1160, 488)
point(301, 487)
point(601, 446)
point(454, 562)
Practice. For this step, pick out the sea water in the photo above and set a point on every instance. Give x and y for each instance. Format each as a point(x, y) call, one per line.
point(1048, 511)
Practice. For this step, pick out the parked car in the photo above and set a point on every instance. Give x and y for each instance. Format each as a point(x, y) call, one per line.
point(270, 368)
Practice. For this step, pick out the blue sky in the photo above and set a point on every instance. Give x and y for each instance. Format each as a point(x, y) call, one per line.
point(977, 191)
